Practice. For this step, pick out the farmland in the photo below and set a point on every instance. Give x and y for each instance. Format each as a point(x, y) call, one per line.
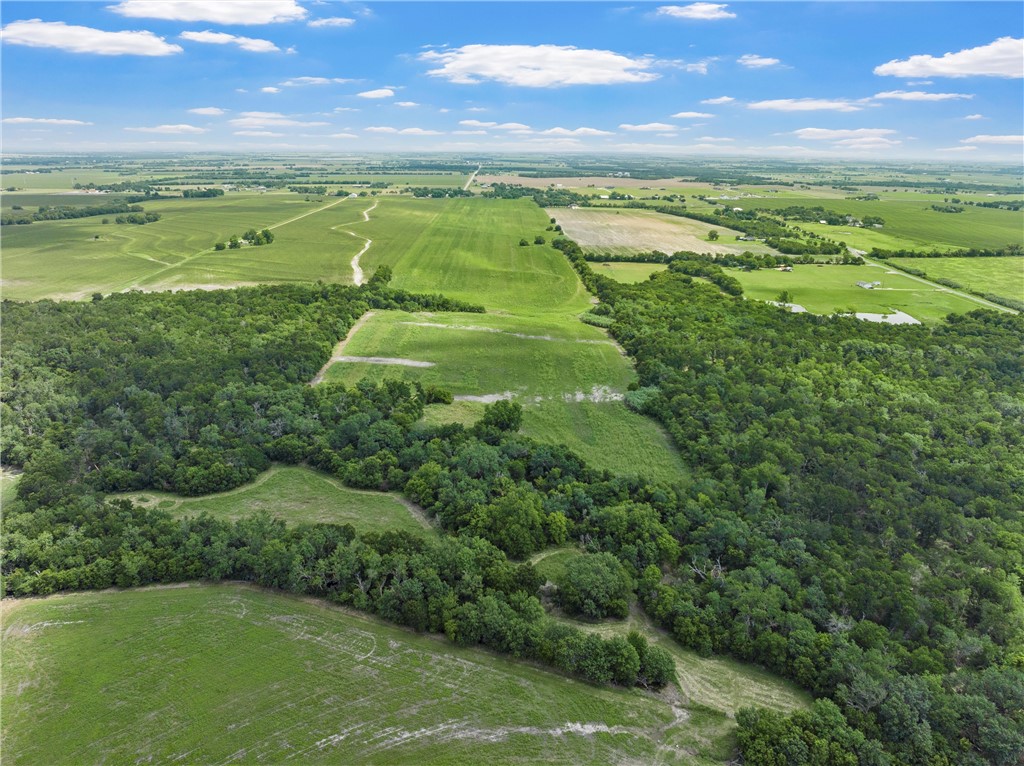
point(999, 276)
point(299, 496)
point(302, 680)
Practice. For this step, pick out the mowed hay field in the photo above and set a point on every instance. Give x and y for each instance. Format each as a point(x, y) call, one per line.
point(629, 231)
point(999, 276)
point(568, 376)
point(220, 674)
point(297, 496)
point(828, 289)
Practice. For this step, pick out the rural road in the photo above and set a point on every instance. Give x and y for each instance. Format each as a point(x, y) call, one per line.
point(466, 187)
point(968, 296)
point(340, 347)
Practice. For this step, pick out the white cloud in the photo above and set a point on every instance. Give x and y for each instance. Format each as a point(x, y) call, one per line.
point(263, 133)
point(36, 33)
point(958, 149)
point(575, 132)
point(248, 12)
point(806, 105)
point(476, 109)
point(212, 111)
point(920, 95)
point(698, 11)
point(666, 135)
point(920, 82)
point(270, 89)
point(827, 134)
point(169, 129)
point(270, 119)
point(378, 93)
point(477, 123)
point(692, 115)
point(333, 21)
point(975, 117)
point(346, 109)
point(652, 127)
point(1000, 58)
point(469, 132)
point(985, 139)
point(699, 67)
point(406, 104)
point(297, 82)
point(719, 100)
point(753, 61)
point(710, 139)
point(867, 142)
point(403, 131)
point(343, 135)
point(41, 121)
point(537, 66)
point(251, 44)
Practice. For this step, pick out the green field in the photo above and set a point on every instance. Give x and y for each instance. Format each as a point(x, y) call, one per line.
point(8, 487)
point(828, 289)
point(628, 272)
point(229, 673)
point(296, 495)
point(999, 276)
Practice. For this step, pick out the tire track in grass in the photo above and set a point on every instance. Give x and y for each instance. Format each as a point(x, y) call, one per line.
point(357, 273)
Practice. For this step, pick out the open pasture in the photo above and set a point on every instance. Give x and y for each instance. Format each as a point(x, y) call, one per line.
point(468, 248)
point(629, 231)
point(227, 673)
point(828, 289)
point(298, 496)
point(629, 273)
point(999, 276)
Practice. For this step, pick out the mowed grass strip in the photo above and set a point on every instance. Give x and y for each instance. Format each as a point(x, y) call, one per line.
point(228, 673)
point(297, 496)
point(828, 289)
point(999, 276)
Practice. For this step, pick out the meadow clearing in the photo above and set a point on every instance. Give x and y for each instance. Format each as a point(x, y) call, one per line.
point(999, 276)
point(629, 273)
point(238, 674)
point(297, 496)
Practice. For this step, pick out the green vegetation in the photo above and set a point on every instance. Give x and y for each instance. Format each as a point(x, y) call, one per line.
point(997, 276)
point(298, 496)
point(628, 272)
point(594, 586)
point(272, 678)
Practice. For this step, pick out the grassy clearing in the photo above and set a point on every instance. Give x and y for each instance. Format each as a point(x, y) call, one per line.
point(999, 276)
point(148, 676)
point(827, 289)
point(8, 487)
point(550, 564)
point(628, 272)
point(630, 231)
point(469, 249)
point(298, 496)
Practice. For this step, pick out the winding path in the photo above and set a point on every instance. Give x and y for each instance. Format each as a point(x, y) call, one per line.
point(319, 378)
point(357, 273)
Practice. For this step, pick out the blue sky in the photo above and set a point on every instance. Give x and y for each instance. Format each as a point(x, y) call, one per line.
point(939, 81)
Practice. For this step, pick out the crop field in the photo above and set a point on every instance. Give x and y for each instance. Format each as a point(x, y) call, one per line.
point(628, 272)
point(296, 495)
point(827, 289)
point(629, 231)
point(999, 276)
point(148, 676)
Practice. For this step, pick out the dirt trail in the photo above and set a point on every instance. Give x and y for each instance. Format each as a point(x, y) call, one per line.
point(357, 273)
point(319, 377)
point(466, 187)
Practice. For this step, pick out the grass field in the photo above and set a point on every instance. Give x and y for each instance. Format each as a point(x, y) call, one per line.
point(628, 272)
point(630, 231)
point(8, 487)
point(221, 674)
point(827, 289)
point(296, 495)
point(999, 276)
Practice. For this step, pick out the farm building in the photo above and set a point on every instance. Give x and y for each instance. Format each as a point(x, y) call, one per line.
point(868, 285)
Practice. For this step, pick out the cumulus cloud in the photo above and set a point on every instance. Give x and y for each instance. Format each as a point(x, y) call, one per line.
point(169, 129)
point(270, 119)
point(333, 21)
point(36, 33)
point(867, 142)
point(297, 82)
point(402, 131)
point(537, 66)
point(652, 127)
point(377, 93)
point(212, 111)
point(975, 117)
point(958, 149)
point(41, 121)
point(477, 123)
point(806, 105)
point(261, 133)
point(575, 132)
point(343, 135)
point(469, 132)
point(753, 61)
point(719, 100)
point(692, 115)
point(711, 139)
point(827, 134)
point(985, 139)
point(270, 89)
point(1000, 58)
point(920, 95)
point(249, 12)
point(698, 11)
point(251, 44)
point(406, 104)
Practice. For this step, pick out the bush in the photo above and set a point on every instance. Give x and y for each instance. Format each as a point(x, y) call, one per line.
point(595, 586)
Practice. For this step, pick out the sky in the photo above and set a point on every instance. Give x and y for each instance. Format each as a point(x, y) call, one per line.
point(851, 80)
